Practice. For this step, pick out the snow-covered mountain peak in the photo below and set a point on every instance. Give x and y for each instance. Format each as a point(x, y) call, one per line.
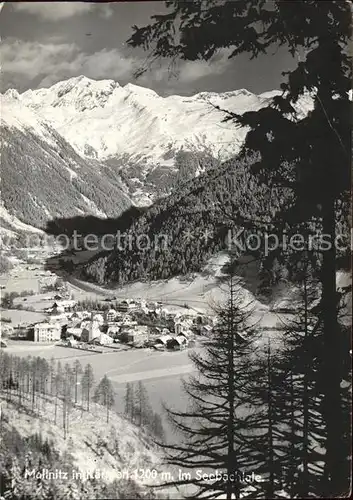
point(103, 120)
point(224, 95)
point(42, 177)
point(80, 92)
point(12, 94)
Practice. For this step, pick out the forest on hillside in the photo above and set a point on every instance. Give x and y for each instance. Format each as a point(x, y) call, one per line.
point(179, 233)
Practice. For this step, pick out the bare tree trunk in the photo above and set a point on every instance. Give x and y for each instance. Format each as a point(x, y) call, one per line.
point(307, 344)
point(33, 389)
point(68, 418)
point(232, 486)
point(56, 407)
point(20, 390)
point(335, 467)
point(293, 436)
point(76, 381)
point(271, 465)
point(64, 417)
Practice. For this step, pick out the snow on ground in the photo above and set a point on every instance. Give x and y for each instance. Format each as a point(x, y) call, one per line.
point(15, 114)
point(15, 223)
point(152, 368)
point(19, 281)
point(104, 119)
point(91, 440)
point(19, 316)
point(26, 276)
point(93, 207)
point(161, 372)
point(200, 293)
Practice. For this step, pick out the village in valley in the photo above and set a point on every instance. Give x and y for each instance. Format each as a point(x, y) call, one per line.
point(133, 323)
point(98, 325)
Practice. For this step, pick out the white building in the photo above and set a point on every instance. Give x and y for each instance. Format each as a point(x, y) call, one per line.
point(47, 332)
point(206, 330)
point(144, 307)
point(61, 306)
point(79, 315)
point(98, 318)
point(182, 326)
point(178, 342)
point(111, 315)
point(127, 321)
point(74, 332)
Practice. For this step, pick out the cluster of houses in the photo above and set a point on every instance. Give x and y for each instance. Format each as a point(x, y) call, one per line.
point(137, 323)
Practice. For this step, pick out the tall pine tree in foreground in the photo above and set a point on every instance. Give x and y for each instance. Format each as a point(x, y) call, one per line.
point(302, 362)
point(215, 422)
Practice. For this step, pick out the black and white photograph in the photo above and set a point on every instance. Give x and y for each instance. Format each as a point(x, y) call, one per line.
point(176, 242)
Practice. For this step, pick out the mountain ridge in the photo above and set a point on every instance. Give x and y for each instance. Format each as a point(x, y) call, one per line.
point(105, 102)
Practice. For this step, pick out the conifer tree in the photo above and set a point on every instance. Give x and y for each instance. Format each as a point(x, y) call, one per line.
point(143, 410)
point(87, 381)
point(34, 375)
point(215, 423)
point(129, 402)
point(52, 371)
point(157, 427)
point(104, 394)
point(301, 369)
point(68, 383)
point(58, 384)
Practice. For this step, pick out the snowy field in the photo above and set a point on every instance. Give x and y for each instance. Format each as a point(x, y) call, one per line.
point(19, 317)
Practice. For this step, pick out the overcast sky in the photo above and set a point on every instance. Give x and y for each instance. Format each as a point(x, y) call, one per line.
point(43, 43)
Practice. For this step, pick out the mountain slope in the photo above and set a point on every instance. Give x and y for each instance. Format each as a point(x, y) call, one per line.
point(43, 177)
point(91, 460)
